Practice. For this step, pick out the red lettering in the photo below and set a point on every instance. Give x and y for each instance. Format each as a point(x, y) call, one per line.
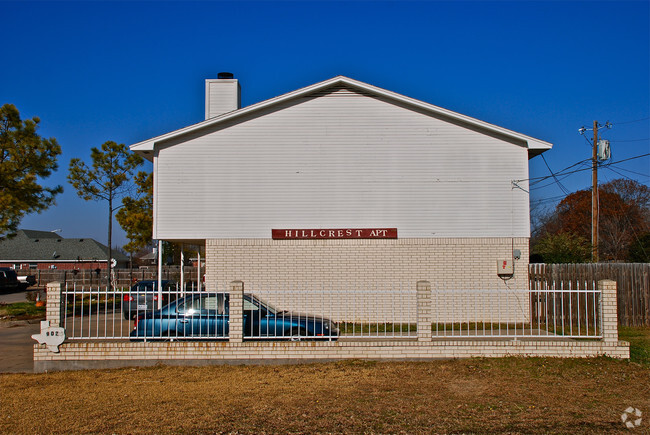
point(342, 233)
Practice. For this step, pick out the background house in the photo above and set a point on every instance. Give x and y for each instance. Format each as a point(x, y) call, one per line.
point(342, 154)
point(30, 249)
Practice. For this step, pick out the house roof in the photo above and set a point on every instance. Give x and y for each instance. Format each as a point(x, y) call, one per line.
point(44, 246)
point(535, 146)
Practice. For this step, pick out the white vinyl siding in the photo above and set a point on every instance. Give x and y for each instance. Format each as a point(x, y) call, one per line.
point(341, 160)
point(221, 96)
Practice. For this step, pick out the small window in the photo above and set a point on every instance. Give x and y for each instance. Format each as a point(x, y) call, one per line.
point(203, 305)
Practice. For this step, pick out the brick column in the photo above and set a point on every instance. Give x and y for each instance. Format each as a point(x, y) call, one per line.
point(53, 311)
point(609, 319)
point(236, 311)
point(424, 310)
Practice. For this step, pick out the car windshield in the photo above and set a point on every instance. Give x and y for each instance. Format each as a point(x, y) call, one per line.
point(151, 286)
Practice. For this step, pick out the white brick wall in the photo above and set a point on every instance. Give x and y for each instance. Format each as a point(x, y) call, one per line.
point(111, 354)
point(333, 265)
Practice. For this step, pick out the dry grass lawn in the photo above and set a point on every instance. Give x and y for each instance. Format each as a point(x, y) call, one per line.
point(509, 395)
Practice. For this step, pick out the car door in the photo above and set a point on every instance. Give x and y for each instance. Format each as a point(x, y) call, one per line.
point(259, 322)
point(203, 315)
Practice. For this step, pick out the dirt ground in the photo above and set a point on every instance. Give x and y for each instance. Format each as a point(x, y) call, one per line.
point(508, 395)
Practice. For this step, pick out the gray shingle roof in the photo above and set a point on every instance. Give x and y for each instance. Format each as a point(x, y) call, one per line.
point(40, 246)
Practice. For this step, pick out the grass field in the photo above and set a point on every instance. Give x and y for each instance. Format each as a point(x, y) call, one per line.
point(21, 311)
point(506, 395)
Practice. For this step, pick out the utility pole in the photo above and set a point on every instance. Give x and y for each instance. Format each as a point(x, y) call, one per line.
point(594, 197)
point(596, 157)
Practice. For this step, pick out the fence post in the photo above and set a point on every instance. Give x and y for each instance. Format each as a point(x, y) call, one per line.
point(424, 310)
point(236, 311)
point(53, 305)
point(609, 319)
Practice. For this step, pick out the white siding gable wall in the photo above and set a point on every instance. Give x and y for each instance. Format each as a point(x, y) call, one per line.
point(341, 160)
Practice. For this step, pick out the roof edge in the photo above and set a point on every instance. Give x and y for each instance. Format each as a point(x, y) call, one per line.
point(146, 147)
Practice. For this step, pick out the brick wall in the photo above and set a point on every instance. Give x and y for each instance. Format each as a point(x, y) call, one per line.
point(447, 263)
point(311, 265)
point(106, 354)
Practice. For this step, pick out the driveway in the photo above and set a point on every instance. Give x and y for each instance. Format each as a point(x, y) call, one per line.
point(16, 344)
point(13, 297)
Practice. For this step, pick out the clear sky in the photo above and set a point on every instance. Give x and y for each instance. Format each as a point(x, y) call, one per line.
point(127, 71)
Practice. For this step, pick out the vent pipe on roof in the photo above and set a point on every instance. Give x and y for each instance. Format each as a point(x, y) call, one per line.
point(222, 95)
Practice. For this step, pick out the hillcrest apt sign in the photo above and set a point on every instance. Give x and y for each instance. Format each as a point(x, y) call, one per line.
point(337, 233)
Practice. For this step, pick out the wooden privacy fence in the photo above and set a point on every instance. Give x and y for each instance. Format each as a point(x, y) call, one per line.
point(633, 280)
point(123, 277)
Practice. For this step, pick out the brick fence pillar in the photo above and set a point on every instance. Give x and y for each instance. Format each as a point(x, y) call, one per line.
point(609, 320)
point(424, 310)
point(236, 312)
point(53, 311)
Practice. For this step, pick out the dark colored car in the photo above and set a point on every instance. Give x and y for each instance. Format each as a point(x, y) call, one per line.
point(143, 297)
point(9, 280)
point(206, 315)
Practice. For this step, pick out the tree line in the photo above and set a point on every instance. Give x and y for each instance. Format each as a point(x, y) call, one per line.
point(112, 176)
point(563, 235)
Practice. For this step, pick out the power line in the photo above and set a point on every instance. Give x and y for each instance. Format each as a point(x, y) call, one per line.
point(631, 158)
point(552, 182)
point(549, 199)
point(557, 173)
point(622, 175)
point(627, 170)
point(630, 122)
point(583, 169)
point(562, 188)
point(630, 140)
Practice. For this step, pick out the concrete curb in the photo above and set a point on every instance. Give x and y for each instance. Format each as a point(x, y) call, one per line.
point(14, 323)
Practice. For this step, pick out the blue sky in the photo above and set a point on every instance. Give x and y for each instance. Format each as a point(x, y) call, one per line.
point(127, 71)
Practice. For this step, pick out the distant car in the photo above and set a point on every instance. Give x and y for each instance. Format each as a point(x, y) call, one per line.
point(143, 297)
point(206, 315)
point(27, 280)
point(9, 280)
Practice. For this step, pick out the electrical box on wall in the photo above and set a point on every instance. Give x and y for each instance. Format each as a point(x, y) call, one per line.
point(505, 267)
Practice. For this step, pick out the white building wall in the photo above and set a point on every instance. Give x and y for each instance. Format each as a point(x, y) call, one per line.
point(341, 160)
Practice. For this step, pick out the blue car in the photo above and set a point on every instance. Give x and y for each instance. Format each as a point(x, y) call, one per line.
point(205, 315)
